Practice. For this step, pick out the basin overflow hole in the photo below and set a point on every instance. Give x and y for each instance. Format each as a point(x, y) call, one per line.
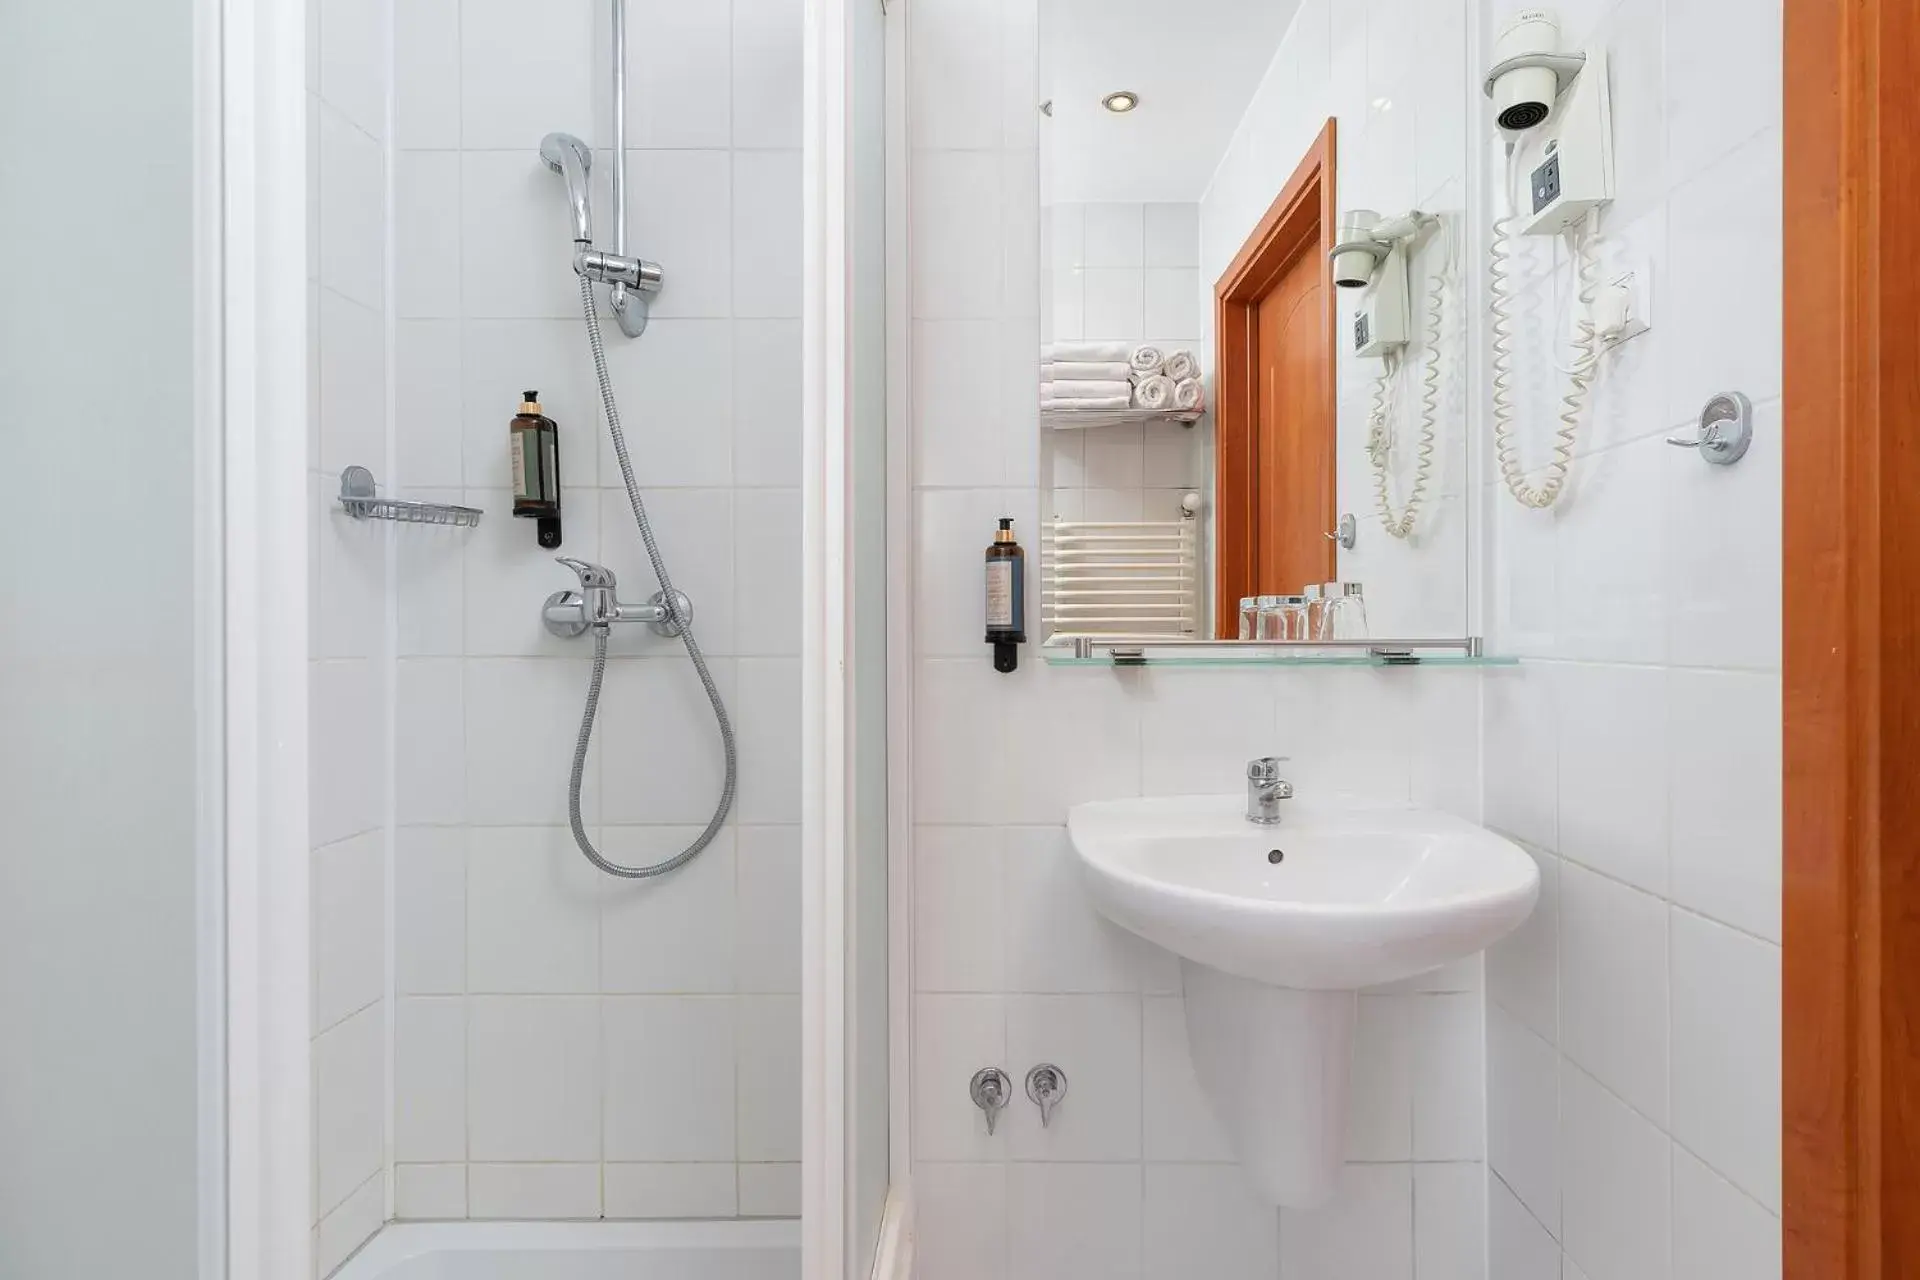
point(1275, 855)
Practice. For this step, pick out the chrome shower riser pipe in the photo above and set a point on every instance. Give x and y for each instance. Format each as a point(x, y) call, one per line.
point(629, 311)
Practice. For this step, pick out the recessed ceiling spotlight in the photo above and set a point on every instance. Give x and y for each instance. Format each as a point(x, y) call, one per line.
point(1121, 102)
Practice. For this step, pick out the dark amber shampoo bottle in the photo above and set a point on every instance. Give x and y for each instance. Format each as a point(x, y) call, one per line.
point(1006, 597)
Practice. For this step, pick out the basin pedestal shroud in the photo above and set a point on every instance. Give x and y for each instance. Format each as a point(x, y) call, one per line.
point(1276, 1065)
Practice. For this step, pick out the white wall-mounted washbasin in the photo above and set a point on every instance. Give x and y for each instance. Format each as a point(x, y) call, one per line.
point(1277, 927)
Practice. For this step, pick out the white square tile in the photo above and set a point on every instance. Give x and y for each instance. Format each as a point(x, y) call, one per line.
point(1067, 224)
point(959, 406)
point(430, 910)
point(1449, 1080)
point(1704, 124)
point(1614, 766)
point(667, 933)
point(766, 571)
point(1200, 728)
point(523, 73)
point(769, 1190)
point(768, 717)
point(671, 1191)
point(1719, 1233)
point(1618, 1174)
point(1055, 943)
point(426, 80)
point(430, 582)
point(1072, 740)
point(533, 1191)
point(960, 1221)
point(676, 406)
point(1635, 38)
point(669, 1047)
point(346, 781)
point(955, 89)
point(353, 210)
point(1523, 1131)
point(532, 913)
point(955, 204)
point(1612, 548)
point(1380, 1107)
point(1095, 1040)
point(1066, 303)
point(1366, 1231)
point(516, 246)
point(353, 61)
point(1613, 986)
point(659, 743)
point(1726, 841)
point(430, 766)
point(693, 529)
point(680, 214)
point(766, 73)
point(960, 900)
point(1179, 1122)
point(353, 395)
point(1172, 236)
point(430, 1079)
point(426, 232)
point(429, 1192)
point(1518, 1247)
point(1172, 302)
point(1724, 574)
point(954, 1036)
point(1205, 1220)
point(681, 99)
point(766, 234)
point(1522, 755)
point(349, 927)
point(346, 1228)
point(1726, 1053)
point(1523, 969)
point(518, 749)
point(503, 360)
point(428, 434)
point(533, 1081)
point(959, 741)
point(1074, 1221)
point(1115, 304)
point(1722, 304)
point(766, 402)
point(767, 1079)
point(349, 1105)
point(1116, 235)
point(768, 906)
point(1449, 1222)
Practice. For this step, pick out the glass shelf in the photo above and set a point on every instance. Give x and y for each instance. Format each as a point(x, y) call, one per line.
point(1085, 652)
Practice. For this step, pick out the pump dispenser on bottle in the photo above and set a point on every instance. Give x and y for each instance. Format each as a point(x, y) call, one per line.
point(1006, 597)
point(536, 468)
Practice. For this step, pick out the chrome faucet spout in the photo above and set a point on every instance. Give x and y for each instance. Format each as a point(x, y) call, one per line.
point(1265, 790)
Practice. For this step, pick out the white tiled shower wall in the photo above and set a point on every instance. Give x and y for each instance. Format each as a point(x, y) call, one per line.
point(1122, 273)
point(351, 650)
point(1011, 967)
point(1634, 1022)
point(568, 1045)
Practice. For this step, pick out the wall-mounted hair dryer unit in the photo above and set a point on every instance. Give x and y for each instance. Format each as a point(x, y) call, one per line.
point(1371, 255)
point(1557, 114)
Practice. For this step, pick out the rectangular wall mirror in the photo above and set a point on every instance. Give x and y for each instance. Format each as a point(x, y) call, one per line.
point(1252, 375)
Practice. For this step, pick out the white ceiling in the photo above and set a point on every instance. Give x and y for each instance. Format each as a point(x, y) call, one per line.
point(1195, 65)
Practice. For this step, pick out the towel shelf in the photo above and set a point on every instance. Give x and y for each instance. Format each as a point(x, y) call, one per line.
point(1079, 419)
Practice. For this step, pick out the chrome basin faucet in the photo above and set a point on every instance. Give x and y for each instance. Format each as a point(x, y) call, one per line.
point(1265, 790)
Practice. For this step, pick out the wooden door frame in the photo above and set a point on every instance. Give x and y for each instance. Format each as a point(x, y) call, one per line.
point(1851, 961)
point(1302, 219)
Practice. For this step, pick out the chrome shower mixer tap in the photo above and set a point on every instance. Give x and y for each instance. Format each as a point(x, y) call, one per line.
point(597, 604)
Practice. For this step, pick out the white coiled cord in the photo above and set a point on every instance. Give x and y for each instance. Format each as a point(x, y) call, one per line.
point(1587, 349)
point(1380, 429)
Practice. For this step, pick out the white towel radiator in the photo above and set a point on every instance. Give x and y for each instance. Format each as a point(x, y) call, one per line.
point(1113, 578)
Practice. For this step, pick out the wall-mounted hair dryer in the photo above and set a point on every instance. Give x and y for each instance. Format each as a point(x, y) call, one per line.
point(1371, 255)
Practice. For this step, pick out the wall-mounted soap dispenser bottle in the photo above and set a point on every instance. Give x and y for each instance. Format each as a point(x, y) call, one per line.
point(1006, 597)
point(536, 469)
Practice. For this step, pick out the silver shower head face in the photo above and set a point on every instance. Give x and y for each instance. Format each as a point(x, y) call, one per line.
point(567, 156)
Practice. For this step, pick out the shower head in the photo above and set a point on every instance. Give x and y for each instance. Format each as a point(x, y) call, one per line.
point(567, 156)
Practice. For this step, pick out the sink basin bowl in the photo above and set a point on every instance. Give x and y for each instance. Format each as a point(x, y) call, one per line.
point(1333, 898)
point(1277, 928)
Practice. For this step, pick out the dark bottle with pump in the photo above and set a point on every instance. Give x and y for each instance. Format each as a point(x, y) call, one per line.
point(1006, 597)
point(536, 468)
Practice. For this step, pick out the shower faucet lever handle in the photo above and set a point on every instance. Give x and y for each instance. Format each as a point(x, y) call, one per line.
point(592, 576)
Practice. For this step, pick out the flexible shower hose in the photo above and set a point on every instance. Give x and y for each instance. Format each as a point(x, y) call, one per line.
point(683, 624)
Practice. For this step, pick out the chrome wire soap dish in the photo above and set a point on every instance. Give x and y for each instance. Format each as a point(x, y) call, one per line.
point(359, 496)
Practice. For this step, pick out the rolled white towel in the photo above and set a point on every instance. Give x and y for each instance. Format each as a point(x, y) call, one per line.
point(1189, 393)
point(1088, 405)
point(1147, 360)
point(1094, 351)
point(1085, 371)
point(1155, 392)
point(1181, 365)
point(1085, 390)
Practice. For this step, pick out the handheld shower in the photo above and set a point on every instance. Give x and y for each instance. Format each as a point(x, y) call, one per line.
point(567, 156)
